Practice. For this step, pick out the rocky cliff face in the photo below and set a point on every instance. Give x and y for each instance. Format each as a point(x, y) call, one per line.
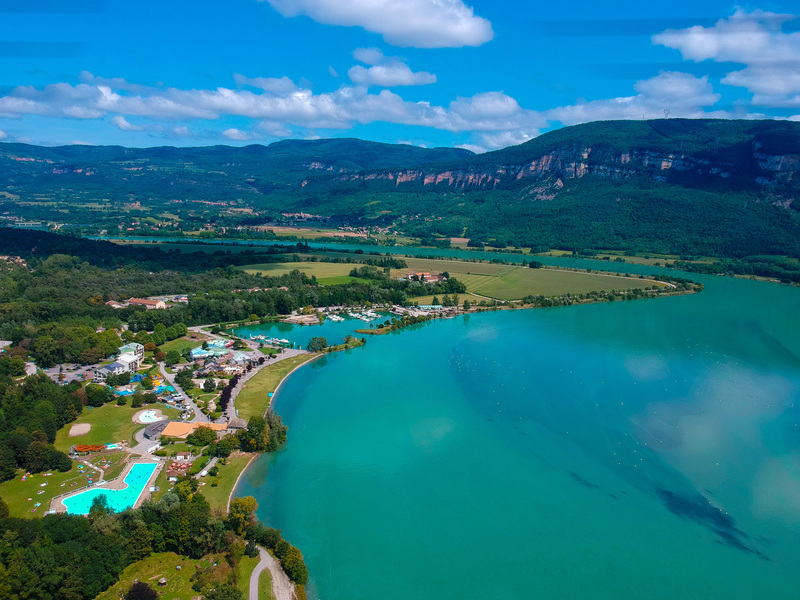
point(554, 169)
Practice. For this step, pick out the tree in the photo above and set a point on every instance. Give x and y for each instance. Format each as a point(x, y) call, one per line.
point(317, 344)
point(4, 512)
point(141, 591)
point(225, 592)
point(242, 513)
point(173, 357)
point(209, 385)
point(294, 566)
point(202, 436)
point(467, 305)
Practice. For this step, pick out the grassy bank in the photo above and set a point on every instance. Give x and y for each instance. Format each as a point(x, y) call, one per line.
point(254, 397)
point(218, 495)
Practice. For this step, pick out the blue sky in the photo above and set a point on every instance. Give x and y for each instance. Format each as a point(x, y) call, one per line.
point(481, 75)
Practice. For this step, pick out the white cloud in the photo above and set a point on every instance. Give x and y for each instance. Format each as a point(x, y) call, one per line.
point(667, 94)
point(3, 135)
point(234, 134)
point(416, 23)
point(124, 125)
point(332, 72)
point(385, 71)
point(754, 39)
point(282, 85)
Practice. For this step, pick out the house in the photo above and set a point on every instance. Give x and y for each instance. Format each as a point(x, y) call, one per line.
point(211, 366)
point(148, 304)
point(240, 359)
point(114, 304)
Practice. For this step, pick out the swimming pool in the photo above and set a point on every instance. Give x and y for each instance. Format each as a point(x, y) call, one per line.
point(149, 416)
point(119, 500)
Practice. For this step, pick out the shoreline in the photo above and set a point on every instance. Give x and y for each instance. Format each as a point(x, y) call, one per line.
point(238, 479)
point(269, 407)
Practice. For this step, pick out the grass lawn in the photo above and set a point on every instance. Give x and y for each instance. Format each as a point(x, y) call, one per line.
point(113, 463)
point(153, 568)
point(245, 568)
point(228, 474)
point(268, 351)
point(16, 492)
point(181, 344)
point(265, 586)
point(254, 398)
point(110, 424)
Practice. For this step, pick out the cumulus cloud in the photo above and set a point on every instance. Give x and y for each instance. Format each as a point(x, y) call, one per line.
point(385, 71)
point(234, 134)
point(415, 23)
point(124, 125)
point(281, 108)
point(667, 94)
point(3, 135)
point(755, 39)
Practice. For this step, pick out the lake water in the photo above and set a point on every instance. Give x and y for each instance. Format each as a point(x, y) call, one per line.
point(648, 449)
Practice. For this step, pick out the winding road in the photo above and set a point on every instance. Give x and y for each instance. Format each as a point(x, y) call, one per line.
point(282, 587)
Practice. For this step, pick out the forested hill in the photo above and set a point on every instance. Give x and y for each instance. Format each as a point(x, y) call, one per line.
point(700, 187)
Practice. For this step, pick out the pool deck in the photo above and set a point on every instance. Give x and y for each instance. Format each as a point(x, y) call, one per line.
point(137, 417)
point(56, 505)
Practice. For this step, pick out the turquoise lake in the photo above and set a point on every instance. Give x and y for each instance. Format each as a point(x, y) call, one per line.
point(647, 449)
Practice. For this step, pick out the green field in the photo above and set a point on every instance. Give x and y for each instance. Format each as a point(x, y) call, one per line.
point(181, 344)
point(340, 280)
point(512, 282)
point(228, 474)
point(110, 424)
point(253, 400)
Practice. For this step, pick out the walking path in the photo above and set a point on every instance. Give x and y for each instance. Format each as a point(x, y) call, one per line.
point(282, 587)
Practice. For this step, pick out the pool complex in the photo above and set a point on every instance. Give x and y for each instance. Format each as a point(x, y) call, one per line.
point(149, 416)
point(119, 500)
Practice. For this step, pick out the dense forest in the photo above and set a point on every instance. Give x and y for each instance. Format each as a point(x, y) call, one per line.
point(722, 188)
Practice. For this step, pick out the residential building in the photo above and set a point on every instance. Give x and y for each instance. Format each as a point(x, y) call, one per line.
point(148, 304)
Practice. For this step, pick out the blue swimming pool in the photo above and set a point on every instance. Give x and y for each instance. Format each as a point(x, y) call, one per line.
point(119, 500)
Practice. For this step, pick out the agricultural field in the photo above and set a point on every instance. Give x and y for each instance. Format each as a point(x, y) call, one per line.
point(512, 282)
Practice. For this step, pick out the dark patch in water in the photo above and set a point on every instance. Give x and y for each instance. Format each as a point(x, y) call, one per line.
point(583, 482)
point(613, 496)
point(701, 511)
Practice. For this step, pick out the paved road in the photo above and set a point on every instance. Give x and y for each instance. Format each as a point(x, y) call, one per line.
point(199, 417)
point(230, 412)
point(282, 587)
